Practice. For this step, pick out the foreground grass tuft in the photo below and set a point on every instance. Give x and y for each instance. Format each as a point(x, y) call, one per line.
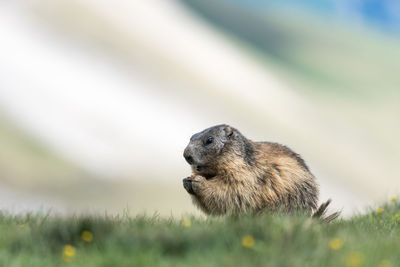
point(372, 239)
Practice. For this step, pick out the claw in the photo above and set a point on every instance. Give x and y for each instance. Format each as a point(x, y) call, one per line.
point(187, 184)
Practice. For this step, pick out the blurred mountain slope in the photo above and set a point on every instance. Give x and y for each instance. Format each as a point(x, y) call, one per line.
point(24, 162)
point(324, 54)
point(33, 178)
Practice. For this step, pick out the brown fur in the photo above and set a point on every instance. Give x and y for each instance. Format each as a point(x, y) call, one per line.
point(237, 175)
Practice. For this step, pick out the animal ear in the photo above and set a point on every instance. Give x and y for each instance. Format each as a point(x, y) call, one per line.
point(228, 131)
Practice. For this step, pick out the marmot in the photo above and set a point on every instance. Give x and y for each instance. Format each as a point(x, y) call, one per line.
point(234, 175)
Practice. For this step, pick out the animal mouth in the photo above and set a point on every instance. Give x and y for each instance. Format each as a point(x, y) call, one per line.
point(200, 168)
point(204, 171)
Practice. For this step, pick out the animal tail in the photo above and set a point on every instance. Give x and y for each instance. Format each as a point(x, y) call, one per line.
point(320, 213)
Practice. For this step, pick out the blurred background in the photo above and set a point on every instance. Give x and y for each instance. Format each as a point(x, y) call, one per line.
point(98, 99)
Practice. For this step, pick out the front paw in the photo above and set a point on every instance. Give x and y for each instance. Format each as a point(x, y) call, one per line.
point(187, 184)
point(198, 183)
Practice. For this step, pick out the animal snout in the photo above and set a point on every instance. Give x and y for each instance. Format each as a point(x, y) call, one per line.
point(188, 158)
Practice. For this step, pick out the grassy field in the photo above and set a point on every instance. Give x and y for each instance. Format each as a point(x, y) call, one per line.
point(372, 239)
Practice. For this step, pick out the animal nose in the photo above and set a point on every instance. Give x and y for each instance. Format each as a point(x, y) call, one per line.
point(188, 157)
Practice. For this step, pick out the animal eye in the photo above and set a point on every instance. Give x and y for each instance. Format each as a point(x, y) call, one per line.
point(209, 140)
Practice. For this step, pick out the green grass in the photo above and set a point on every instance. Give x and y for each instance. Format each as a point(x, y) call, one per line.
point(372, 239)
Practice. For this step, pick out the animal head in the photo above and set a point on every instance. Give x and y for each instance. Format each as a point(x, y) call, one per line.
point(208, 149)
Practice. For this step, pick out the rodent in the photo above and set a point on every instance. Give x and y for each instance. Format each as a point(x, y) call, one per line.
point(234, 175)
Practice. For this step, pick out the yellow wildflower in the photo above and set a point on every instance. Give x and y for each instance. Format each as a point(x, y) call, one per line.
point(385, 263)
point(68, 253)
point(354, 259)
point(394, 197)
point(186, 223)
point(248, 241)
point(87, 236)
point(379, 210)
point(336, 244)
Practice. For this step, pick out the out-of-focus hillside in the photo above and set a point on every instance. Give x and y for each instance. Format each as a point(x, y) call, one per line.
point(34, 178)
point(114, 91)
point(342, 60)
